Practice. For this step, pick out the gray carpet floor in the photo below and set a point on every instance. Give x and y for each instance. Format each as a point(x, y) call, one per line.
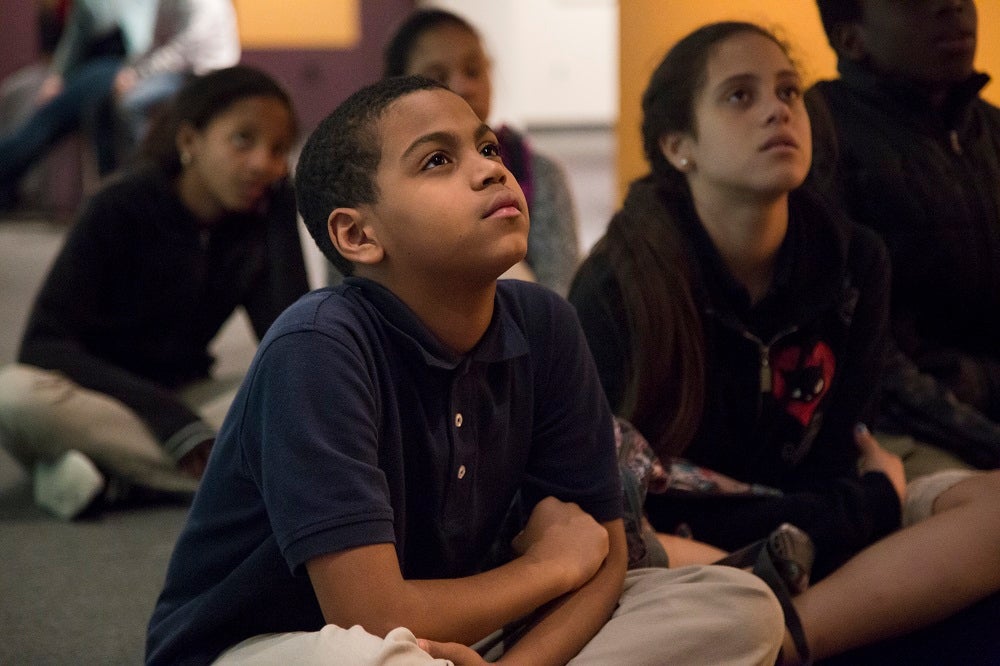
point(82, 592)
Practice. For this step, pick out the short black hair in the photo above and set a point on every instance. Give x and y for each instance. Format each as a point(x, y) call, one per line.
point(834, 12)
point(337, 166)
point(396, 56)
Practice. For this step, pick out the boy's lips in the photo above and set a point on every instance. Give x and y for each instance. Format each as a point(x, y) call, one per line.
point(503, 205)
point(957, 40)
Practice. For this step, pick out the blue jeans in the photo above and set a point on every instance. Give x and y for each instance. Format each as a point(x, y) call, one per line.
point(136, 107)
point(85, 89)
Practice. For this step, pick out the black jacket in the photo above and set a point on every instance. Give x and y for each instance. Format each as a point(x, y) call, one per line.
point(929, 183)
point(787, 379)
point(139, 290)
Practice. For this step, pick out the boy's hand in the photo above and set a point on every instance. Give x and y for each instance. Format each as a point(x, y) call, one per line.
point(561, 532)
point(458, 654)
point(876, 459)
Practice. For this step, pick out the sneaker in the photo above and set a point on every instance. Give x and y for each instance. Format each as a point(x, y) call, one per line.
point(68, 486)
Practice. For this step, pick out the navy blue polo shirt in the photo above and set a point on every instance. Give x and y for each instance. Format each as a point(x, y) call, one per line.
point(355, 426)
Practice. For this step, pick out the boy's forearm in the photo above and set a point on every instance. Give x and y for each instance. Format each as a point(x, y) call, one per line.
point(577, 617)
point(462, 610)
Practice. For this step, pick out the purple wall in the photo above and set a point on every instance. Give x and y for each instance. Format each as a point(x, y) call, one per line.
point(18, 35)
point(320, 79)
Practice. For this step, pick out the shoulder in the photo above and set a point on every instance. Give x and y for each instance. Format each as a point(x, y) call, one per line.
point(330, 311)
point(548, 176)
point(989, 111)
point(867, 248)
point(140, 186)
point(543, 165)
point(127, 198)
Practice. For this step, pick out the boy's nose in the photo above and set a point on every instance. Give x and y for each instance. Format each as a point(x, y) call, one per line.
point(493, 172)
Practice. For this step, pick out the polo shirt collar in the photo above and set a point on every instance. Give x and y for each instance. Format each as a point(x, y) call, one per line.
point(503, 340)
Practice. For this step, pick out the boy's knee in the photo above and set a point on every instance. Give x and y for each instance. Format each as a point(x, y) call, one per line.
point(726, 613)
point(750, 602)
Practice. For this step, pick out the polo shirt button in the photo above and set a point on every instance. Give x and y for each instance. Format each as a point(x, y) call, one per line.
point(461, 471)
point(458, 420)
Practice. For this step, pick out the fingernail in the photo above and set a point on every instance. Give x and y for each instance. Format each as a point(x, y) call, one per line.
point(861, 429)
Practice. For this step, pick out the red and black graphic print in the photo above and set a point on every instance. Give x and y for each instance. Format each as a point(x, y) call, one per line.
point(802, 376)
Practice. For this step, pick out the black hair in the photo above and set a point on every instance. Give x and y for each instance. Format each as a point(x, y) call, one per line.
point(199, 101)
point(396, 57)
point(337, 166)
point(664, 394)
point(835, 12)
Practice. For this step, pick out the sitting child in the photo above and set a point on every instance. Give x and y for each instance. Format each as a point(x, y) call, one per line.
point(391, 427)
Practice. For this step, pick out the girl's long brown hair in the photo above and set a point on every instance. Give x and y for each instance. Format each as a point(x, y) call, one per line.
point(665, 393)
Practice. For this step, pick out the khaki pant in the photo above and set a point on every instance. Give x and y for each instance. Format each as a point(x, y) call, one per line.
point(919, 459)
point(44, 414)
point(691, 615)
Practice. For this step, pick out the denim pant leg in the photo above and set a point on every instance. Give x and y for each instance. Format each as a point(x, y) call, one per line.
point(85, 88)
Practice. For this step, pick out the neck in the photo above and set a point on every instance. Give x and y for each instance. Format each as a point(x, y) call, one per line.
point(747, 235)
point(206, 211)
point(457, 316)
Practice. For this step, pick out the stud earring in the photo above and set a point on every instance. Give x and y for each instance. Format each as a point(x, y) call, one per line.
point(684, 163)
point(185, 158)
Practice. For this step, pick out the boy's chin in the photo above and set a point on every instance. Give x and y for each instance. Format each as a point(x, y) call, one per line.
point(519, 271)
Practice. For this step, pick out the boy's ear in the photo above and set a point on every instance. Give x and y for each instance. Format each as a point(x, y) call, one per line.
point(848, 40)
point(353, 236)
point(676, 147)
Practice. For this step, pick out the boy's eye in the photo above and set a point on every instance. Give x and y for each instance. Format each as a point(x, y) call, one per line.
point(490, 149)
point(435, 160)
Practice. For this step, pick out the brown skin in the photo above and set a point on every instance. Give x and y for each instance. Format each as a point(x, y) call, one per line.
point(231, 163)
point(450, 219)
point(456, 220)
point(931, 43)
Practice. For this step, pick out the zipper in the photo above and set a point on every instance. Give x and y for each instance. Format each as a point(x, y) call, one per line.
point(764, 351)
point(956, 146)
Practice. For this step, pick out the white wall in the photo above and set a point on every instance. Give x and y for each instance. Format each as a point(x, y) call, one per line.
point(554, 61)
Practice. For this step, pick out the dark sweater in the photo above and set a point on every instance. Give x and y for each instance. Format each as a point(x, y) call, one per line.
point(139, 290)
point(929, 183)
point(821, 330)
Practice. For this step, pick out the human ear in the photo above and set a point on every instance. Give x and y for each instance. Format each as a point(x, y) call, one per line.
point(848, 40)
point(676, 147)
point(186, 141)
point(353, 236)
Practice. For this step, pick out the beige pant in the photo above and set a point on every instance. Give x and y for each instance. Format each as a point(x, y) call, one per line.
point(691, 615)
point(44, 414)
point(919, 459)
point(930, 471)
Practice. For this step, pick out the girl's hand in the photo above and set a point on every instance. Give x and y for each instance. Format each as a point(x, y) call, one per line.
point(194, 461)
point(876, 459)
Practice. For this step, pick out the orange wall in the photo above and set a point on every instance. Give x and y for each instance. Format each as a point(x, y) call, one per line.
point(650, 27)
point(303, 24)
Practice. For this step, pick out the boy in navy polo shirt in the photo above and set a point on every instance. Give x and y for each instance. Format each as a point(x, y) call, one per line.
point(393, 429)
